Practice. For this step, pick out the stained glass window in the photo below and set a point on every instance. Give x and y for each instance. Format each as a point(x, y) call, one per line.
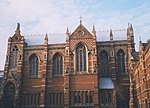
point(104, 63)
point(106, 97)
point(55, 100)
point(81, 98)
point(121, 61)
point(80, 58)
point(33, 65)
point(86, 97)
point(31, 99)
point(57, 64)
point(91, 99)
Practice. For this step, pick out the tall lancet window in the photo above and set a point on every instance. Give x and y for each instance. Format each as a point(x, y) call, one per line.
point(121, 61)
point(34, 64)
point(57, 64)
point(80, 58)
point(104, 63)
point(14, 56)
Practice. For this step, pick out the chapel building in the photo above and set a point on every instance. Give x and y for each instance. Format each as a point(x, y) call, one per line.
point(77, 70)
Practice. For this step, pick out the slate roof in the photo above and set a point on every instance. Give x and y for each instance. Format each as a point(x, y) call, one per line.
point(106, 83)
point(144, 45)
point(39, 39)
point(61, 38)
point(135, 55)
point(117, 35)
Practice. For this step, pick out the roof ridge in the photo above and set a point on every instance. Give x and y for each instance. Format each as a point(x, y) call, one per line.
point(49, 34)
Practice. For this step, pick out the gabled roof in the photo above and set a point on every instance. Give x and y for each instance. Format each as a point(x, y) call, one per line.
point(81, 28)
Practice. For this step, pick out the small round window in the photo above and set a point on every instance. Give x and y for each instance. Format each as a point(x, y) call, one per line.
point(16, 38)
point(80, 33)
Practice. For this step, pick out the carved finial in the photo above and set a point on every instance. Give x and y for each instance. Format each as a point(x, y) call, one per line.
point(18, 26)
point(131, 27)
point(80, 19)
point(67, 34)
point(94, 31)
point(111, 34)
point(140, 38)
point(67, 31)
point(46, 39)
point(18, 29)
point(93, 28)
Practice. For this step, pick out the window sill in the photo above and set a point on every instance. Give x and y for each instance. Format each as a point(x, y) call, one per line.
point(82, 72)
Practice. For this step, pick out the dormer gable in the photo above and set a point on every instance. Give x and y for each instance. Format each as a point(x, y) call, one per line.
point(81, 33)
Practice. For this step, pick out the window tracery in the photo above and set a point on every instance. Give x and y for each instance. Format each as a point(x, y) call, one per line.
point(104, 63)
point(57, 64)
point(33, 61)
point(121, 61)
point(80, 58)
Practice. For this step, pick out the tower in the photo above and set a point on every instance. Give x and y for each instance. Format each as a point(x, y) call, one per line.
point(13, 70)
point(130, 37)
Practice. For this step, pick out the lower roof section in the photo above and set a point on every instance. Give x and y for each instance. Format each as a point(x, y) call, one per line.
point(106, 83)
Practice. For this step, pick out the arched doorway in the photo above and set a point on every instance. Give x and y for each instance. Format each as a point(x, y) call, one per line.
point(9, 95)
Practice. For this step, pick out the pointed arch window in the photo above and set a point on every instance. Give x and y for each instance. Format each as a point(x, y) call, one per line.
point(104, 63)
point(33, 61)
point(14, 56)
point(121, 61)
point(80, 58)
point(57, 64)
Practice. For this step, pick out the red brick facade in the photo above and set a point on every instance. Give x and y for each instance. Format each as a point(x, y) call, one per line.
point(79, 73)
point(140, 78)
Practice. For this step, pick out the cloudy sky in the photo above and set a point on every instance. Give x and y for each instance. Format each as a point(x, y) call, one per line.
point(54, 16)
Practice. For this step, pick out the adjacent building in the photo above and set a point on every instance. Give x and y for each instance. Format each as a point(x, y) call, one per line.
point(140, 77)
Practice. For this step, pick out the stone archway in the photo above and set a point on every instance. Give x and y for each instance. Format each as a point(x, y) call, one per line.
point(9, 95)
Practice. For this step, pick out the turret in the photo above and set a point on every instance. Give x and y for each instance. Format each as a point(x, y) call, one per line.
point(130, 32)
point(13, 70)
point(130, 37)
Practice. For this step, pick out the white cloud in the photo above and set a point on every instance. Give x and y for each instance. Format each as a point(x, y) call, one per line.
point(48, 16)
